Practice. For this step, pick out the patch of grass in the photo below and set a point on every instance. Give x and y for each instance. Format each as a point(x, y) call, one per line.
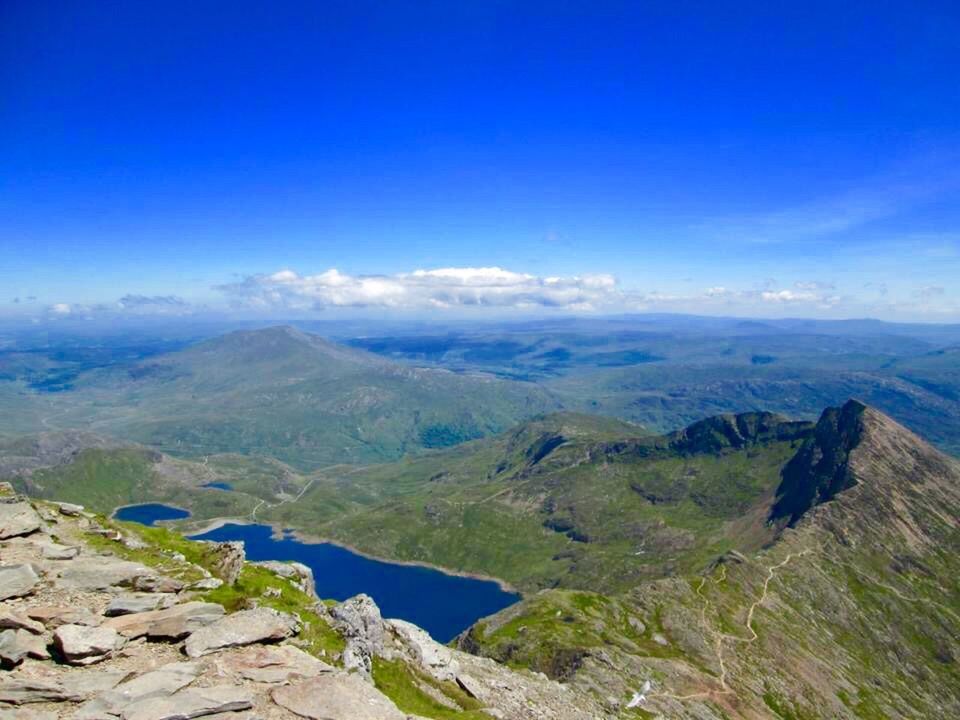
point(403, 685)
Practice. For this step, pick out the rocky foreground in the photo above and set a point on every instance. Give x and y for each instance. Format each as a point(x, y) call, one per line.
point(100, 622)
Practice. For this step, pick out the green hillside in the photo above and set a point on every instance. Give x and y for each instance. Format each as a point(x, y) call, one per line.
point(291, 396)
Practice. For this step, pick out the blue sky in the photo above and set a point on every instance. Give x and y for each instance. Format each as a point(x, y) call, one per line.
point(761, 159)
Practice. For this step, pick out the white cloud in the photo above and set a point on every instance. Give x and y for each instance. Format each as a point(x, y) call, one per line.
point(451, 287)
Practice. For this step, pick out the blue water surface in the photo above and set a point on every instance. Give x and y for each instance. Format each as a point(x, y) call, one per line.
point(218, 485)
point(150, 513)
point(444, 605)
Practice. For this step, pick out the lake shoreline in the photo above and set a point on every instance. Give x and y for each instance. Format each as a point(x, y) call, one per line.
point(308, 539)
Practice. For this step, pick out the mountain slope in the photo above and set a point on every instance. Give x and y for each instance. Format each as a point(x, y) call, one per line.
point(564, 500)
point(292, 396)
point(852, 612)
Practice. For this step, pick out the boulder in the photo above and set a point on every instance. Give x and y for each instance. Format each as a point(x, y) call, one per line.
point(16, 645)
point(172, 623)
point(157, 584)
point(18, 518)
point(159, 683)
point(210, 583)
point(83, 645)
point(70, 509)
point(359, 621)
point(10, 620)
point(53, 616)
point(17, 580)
point(426, 652)
point(336, 696)
point(272, 663)
point(241, 628)
point(300, 574)
point(228, 559)
point(190, 703)
point(54, 551)
point(17, 689)
point(100, 573)
point(130, 603)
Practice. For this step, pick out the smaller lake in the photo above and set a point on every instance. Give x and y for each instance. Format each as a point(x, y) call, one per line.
point(218, 485)
point(443, 605)
point(149, 513)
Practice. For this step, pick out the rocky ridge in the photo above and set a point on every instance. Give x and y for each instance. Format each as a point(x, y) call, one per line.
point(100, 621)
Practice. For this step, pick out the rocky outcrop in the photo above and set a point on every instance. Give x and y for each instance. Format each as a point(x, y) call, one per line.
point(359, 621)
point(228, 559)
point(820, 469)
point(300, 574)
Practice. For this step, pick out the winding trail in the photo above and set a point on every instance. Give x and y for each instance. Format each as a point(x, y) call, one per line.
point(720, 637)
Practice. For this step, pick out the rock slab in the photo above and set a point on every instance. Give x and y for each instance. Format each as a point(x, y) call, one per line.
point(242, 628)
point(336, 696)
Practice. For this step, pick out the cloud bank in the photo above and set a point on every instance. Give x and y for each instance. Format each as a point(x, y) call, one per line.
point(451, 287)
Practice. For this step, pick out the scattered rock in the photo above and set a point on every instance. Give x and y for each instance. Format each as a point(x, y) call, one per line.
point(16, 645)
point(659, 639)
point(17, 580)
point(241, 628)
point(637, 625)
point(53, 551)
point(359, 621)
point(10, 620)
point(82, 645)
point(158, 683)
point(172, 623)
point(273, 663)
point(101, 572)
point(157, 584)
point(18, 518)
point(210, 583)
point(17, 689)
point(336, 696)
point(130, 603)
point(88, 684)
point(53, 616)
point(190, 703)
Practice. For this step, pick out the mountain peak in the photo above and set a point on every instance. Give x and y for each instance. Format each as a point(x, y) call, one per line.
point(853, 445)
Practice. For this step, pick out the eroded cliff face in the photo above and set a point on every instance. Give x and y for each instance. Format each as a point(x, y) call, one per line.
point(100, 621)
point(821, 468)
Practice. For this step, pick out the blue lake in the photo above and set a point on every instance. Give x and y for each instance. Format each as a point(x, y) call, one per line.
point(444, 605)
point(150, 513)
point(218, 485)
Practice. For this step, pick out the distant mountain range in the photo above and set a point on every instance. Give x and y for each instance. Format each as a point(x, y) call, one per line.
point(289, 395)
